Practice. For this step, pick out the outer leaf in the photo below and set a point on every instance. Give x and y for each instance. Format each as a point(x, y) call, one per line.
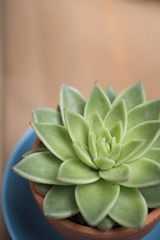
point(129, 150)
point(39, 167)
point(97, 101)
point(134, 95)
point(42, 188)
point(55, 138)
point(144, 112)
point(72, 100)
point(154, 154)
point(104, 163)
point(106, 224)
point(118, 112)
point(96, 123)
point(148, 130)
point(117, 131)
point(110, 92)
point(117, 174)
point(130, 209)
point(151, 195)
point(47, 115)
point(35, 151)
point(83, 154)
point(60, 202)
point(145, 173)
point(156, 144)
point(76, 172)
point(96, 199)
point(77, 127)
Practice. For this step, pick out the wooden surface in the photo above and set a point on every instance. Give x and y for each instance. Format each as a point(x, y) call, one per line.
point(75, 42)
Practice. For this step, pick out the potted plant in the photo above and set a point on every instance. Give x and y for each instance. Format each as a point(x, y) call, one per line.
point(96, 165)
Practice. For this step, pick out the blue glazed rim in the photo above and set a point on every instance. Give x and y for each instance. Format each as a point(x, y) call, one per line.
point(43, 229)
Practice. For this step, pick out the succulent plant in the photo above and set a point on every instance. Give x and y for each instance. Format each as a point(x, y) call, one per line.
point(100, 158)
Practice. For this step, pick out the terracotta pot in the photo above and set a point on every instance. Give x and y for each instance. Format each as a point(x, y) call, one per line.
point(73, 231)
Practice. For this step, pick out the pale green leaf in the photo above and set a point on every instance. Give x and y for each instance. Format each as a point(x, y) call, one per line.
point(96, 199)
point(118, 112)
point(130, 209)
point(134, 95)
point(153, 154)
point(60, 202)
point(106, 224)
point(104, 133)
point(102, 149)
point(144, 173)
point(115, 152)
point(42, 188)
point(151, 195)
point(92, 144)
point(55, 138)
point(110, 92)
point(104, 163)
point(148, 131)
point(117, 131)
point(35, 151)
point(82, 153)
point(77, 127)
point(47, 115)
point(144, 112)
point(129, 150)
point(71, 99)
point(117, 174)
point(96, 123)
point(76, 172)
point(97, 101)
point(156, 144)
point(39, 167)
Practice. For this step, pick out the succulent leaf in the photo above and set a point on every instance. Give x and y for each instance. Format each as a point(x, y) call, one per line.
point(118, 112)
point(35, 151)
point(72, 100)
point(144, 112)
point(47, 115)
point(92, 144)
point(117, 131)
point(134, 95)
point(96, 123)
point(97, 101)
point(42, 188)
point(40, 167)
point(148, 173)
point(151, 195)
point(82, 153)
point(77, 127)
point(110, 92)
point(104, 163)
point(130, 209)
point(129, 150)
point(153, 154)
point(156, 144)
point(106, 224)
point(149, 131)
point(76, 172)
point(55, 138)
point(115, 153)
point(117, 174)
point(96, 199)
point(60, 202)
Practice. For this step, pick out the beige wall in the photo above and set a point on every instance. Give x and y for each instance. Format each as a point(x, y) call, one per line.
point(76, 42)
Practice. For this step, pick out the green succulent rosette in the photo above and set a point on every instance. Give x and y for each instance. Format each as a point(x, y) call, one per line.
point(100, 158)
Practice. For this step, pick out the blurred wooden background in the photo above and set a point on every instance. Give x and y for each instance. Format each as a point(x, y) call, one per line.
point(45, 43)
